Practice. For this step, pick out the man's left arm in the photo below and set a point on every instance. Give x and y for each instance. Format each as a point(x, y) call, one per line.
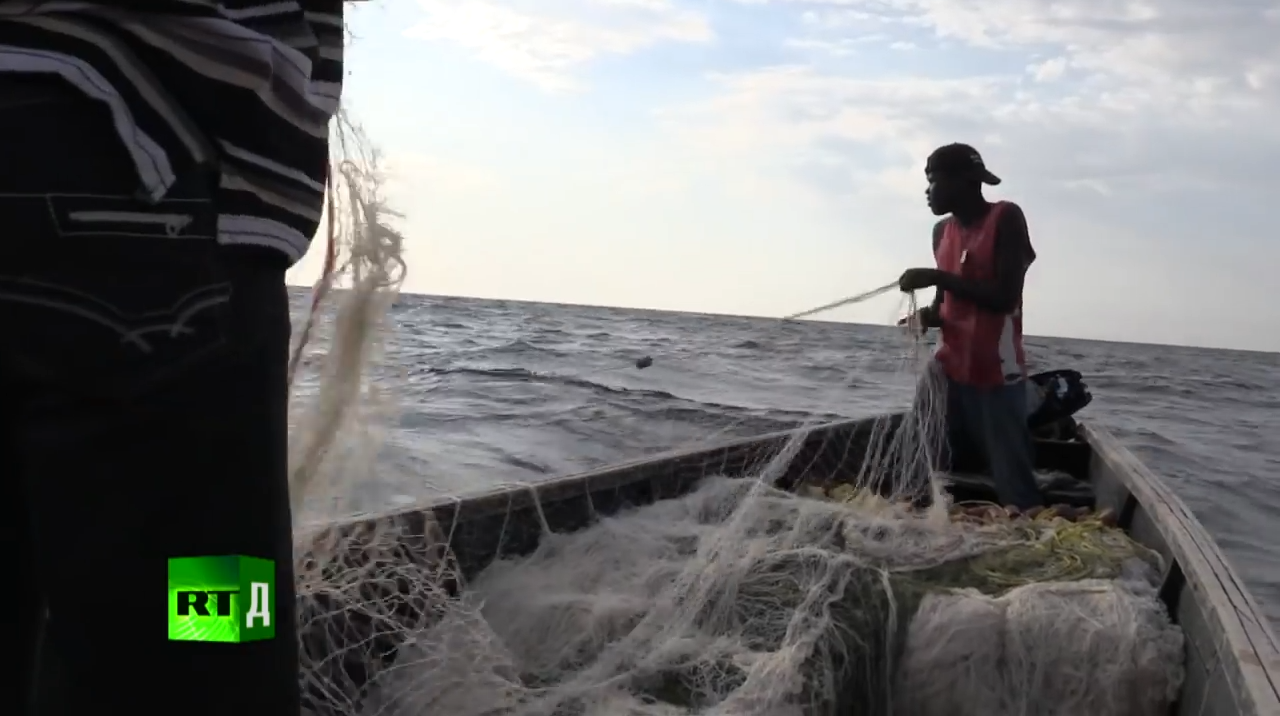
point(1013, 255)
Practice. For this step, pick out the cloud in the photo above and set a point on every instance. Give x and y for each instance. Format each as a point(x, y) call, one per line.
point(1049, 70)
point(547, 42)
point(1158, 102)
point(1176, 44)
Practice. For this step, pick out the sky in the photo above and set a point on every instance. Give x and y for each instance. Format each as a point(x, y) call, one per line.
point(762, 157)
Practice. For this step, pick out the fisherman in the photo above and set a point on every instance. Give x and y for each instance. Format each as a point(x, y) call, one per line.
point(983, 251)
point(164, 162)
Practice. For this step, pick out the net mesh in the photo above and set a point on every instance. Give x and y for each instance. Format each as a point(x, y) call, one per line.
point(862, 589)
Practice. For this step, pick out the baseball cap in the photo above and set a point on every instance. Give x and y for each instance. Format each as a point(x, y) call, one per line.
point(960, 159)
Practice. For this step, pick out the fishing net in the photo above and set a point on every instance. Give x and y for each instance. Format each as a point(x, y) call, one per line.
point(337, 413)
point(869, 594)
point(744, 599)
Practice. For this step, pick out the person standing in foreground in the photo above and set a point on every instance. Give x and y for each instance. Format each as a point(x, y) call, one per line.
point(983, 251)
point(164, 163)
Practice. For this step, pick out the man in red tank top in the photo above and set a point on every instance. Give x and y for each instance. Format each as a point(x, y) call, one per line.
point(982, 251)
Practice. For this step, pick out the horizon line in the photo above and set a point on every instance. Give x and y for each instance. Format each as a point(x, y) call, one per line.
point(798, 320)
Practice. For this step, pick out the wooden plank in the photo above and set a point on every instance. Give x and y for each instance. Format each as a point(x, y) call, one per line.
point(1247, 651)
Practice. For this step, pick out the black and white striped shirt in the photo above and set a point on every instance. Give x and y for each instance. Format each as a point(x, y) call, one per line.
point(248, 86)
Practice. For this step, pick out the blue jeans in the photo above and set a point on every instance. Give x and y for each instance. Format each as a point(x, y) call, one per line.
point(993, 423)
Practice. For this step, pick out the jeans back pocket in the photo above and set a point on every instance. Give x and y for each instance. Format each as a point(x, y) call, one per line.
point(107, 294)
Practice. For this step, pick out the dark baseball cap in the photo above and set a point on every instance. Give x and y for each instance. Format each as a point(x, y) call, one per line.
point(959, 160)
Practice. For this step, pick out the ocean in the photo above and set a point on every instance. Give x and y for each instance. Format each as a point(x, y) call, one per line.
point(491, 392)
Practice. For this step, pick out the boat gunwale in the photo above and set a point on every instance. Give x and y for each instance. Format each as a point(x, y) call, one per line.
point(508, 496)
point(520, 495)
point(1253, 667)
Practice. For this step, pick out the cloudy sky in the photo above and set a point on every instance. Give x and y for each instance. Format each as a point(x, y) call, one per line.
point(766, 156)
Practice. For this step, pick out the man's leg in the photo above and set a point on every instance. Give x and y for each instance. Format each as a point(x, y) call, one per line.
point(933, 420)
point(946, 413)
point(23, 612)
point(960, 440)
point(145, 414)
point(1001, 417)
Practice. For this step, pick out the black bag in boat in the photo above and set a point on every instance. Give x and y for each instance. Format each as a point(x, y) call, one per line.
point(1056, 396)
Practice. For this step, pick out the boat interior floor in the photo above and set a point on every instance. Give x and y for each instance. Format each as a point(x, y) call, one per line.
point(1062, 461)
point(1057, 488)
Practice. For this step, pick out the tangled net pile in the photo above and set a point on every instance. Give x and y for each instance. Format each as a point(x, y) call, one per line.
point(743, 599)
point(737, 599)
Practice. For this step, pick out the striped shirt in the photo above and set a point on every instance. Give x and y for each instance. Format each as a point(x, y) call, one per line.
point(246, 86)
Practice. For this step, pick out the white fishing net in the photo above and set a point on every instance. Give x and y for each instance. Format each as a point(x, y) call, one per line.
point(338, 411)
point(861, 591)
point(1056, 648)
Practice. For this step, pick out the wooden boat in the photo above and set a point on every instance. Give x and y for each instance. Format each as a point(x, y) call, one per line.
point(1232, 655)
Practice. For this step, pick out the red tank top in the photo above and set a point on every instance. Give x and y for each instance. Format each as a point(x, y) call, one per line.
point(979, 347)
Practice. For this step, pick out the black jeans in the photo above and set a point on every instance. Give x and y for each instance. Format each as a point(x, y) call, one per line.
point(142, 416)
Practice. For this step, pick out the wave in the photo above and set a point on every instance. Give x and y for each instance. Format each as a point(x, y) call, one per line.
point(647, 402)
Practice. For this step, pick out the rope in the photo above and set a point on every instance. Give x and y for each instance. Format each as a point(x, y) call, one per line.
point(647, 361)
point(844, 301)
point(321, 288)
